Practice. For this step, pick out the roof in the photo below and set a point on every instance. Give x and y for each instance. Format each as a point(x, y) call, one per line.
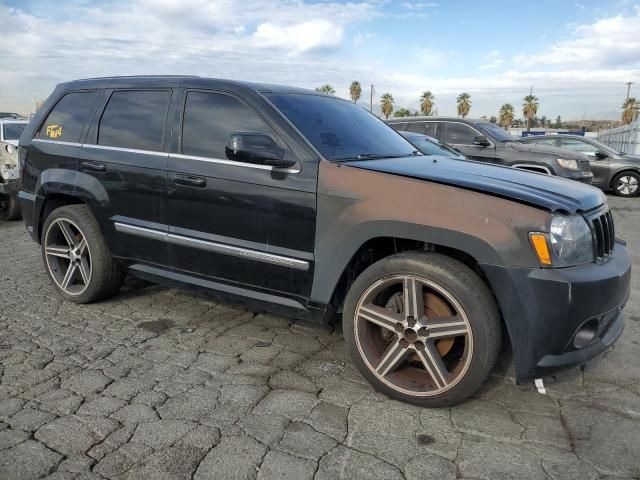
point(14, 120)
point(556, 135)
point(180, 81)
point(431, 118)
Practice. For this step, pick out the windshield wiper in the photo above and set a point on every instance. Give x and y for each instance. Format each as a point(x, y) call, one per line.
point(375, 156)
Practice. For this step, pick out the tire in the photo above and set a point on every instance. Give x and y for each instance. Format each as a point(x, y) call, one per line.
point(10, 208)
point(76, 257)
point(626, 184)
point(457, 321)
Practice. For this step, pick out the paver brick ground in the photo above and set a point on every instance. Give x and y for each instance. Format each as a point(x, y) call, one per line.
point(159, 383)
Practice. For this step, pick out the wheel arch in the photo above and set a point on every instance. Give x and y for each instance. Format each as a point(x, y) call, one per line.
point(626, 169)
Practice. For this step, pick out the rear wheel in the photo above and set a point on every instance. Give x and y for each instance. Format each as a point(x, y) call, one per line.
point(422, 328)
point(76, 257)
point(9, 207)
point(627, 184)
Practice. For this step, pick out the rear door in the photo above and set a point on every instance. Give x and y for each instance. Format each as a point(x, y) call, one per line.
point(599, 166)
point(123, 167)
point(424, 128)
point(240, 223)
point(460, 136)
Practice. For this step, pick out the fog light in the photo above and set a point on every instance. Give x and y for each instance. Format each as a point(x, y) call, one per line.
point(586, 333)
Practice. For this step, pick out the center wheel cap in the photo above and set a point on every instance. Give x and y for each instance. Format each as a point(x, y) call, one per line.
point(410, 335)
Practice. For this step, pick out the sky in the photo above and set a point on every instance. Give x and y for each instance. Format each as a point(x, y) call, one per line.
point(577, 57)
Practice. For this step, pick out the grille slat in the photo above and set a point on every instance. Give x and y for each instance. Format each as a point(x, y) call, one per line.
point(604, 233)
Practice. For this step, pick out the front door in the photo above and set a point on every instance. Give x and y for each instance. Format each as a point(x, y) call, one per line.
point(460, 136)
point(599, 165)
point(245, 224)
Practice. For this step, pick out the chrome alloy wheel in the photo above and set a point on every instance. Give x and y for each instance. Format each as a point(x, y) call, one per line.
point(627, 185)
point(68, 256)
point(413, 335)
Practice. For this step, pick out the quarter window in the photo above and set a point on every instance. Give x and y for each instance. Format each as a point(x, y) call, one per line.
point(425, 128)
point(66, 121)
point(458, 134)
point(209, 120)
point(135, 119)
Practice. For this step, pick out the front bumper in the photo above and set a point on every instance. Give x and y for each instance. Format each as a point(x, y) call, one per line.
point(544, 308)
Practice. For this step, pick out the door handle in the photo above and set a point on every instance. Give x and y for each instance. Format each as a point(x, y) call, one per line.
point(94, 166)
point(191, 181)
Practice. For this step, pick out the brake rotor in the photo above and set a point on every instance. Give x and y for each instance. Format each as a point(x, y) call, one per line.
point(435, 307)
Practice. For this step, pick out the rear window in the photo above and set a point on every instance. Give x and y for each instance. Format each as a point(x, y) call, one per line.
point(66, 121)
point(135, 119)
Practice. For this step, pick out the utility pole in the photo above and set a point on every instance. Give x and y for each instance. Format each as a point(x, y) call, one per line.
point(371, 99)
point(628, 88)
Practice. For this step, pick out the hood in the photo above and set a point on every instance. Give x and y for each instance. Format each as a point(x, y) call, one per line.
point(545, 191)
point(545, 150)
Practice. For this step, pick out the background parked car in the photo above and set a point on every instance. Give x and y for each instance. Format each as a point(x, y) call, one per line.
point(431, 146)
point(611, 169)
point(487, 142)
point(10, 131)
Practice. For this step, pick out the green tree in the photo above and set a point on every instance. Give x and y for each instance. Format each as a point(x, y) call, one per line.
point(558, 123)
point(386, 104)
point(326, 89)
point(402, 112)
point(506, 115)
point(426, 102)
point(464, 104)
point(530, 108)
point(355, 90)
point(630, 110)
point(493, 119)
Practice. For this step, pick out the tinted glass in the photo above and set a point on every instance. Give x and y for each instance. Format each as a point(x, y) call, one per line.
point(134, 119)
point(544, 141)
point(578, 146)
point(398, 126)
point(12, 131)
point(340, 130)
point(209, 119)
point(66, 120)
point(425, 128)
point(495, 132)
point(430, 147)
point(458, 134)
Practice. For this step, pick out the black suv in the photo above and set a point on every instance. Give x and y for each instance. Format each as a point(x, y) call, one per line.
point(307, 205)
point(487, 142)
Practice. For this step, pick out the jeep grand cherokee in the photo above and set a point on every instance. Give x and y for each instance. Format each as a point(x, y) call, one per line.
point(307, 205)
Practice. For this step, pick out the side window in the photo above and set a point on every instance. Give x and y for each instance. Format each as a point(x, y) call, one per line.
point(425, 128)
point(578, 146)
point(134, 119)
point(458, 134)
point(209, 119)
point(546, 141)
point(66, 120)
point(398, 127)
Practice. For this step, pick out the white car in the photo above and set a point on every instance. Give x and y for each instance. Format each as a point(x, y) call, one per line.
point(10, 131)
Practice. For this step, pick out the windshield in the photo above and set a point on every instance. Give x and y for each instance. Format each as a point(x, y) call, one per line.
point(430, 147)
point(495, 132)
point(604, 147)
point(341, 130)
point(12, 131)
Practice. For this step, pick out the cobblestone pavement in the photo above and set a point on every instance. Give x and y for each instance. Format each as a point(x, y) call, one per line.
point(157, 383)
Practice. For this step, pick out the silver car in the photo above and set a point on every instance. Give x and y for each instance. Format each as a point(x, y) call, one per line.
point(10, 131)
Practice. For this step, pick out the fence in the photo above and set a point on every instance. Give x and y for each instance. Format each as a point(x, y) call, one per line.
point(624, 139)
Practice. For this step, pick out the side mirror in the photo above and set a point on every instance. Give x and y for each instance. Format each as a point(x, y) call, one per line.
point(481, 140)
point(600, 155)
point(256, 148)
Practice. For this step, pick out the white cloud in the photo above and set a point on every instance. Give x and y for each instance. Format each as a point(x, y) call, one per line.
point(418, 5)
point(300, 37)
point(492, 60)
point(606, 42)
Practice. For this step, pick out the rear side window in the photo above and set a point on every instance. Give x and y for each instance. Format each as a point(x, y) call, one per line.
point(425, 128)
point(65, 122)
point(134, 119)
point(398, 127)
point(209, 119)
point(458, 134)
point(545, 141)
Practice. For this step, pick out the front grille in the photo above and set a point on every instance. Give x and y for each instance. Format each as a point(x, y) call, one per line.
point(585, 167)
point(604, 235)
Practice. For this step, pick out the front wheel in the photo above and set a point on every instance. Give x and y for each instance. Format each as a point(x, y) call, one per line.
point(76, 256)
point(422, 328)
point(626, 184)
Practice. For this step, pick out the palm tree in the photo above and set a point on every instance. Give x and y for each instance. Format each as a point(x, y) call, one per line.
point(464, 104)
point(630, 110)
point(386, 104)
point(355, 90)
point(426, 102)
point(530, 108)
point(326, 88)
point(402, 112)
point(506, 115)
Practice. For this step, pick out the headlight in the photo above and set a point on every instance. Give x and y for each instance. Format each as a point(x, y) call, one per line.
point(568, 243)
point(568, 164)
